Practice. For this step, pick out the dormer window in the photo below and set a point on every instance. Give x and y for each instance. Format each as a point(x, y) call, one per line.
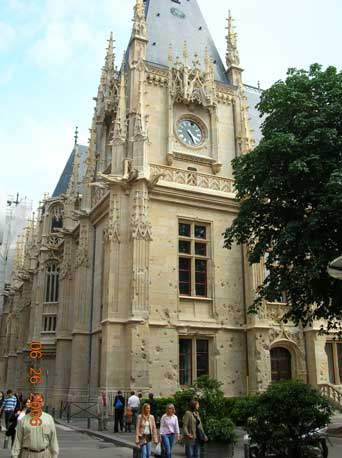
point(56, 214)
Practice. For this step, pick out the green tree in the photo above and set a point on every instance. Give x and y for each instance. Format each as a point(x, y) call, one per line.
point(290, 187)
point(284, 414)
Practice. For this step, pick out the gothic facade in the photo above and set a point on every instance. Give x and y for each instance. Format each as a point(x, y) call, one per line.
point(124, 279)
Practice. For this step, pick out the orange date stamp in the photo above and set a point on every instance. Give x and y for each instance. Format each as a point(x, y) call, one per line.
point(35, 379)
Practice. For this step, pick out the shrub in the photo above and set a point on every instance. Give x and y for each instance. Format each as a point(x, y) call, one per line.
point(242, 409)
point(161, 404)
point(283, 414)
point(220, 430)
point(207, 391)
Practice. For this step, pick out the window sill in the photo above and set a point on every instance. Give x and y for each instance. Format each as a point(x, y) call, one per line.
point(48, 332)
point(196, 298)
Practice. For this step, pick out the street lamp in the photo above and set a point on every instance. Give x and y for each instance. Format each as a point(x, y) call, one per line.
point(335, 268)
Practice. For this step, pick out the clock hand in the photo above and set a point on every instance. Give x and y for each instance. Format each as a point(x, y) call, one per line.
point(192, 137)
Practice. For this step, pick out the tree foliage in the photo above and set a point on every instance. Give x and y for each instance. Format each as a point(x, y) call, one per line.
point(290, 187)
point(284, 414)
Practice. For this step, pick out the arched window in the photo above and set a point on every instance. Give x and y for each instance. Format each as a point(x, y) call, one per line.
point(56, 214)
point(280, 364)
point(52, 283)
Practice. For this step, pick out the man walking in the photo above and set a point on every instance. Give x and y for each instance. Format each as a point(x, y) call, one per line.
point(134, 403)
point(9, 406)
point(119, 408)
point(36, 441)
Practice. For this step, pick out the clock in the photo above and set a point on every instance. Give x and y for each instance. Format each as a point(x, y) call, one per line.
point(178, 13)
point(189, 132)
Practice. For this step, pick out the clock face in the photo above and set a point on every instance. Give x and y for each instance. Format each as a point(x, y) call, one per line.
point(178, 13)
point(189, 132)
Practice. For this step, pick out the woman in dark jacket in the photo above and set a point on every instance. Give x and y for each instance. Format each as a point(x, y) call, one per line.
point(193, 432)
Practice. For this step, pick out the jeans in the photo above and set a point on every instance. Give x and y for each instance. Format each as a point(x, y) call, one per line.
point(193, 450)
point(135, 412)
point(145, 450)
point(168, 441)
point(8, 415)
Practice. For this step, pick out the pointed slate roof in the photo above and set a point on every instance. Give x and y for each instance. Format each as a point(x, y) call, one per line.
point(253, 95)
point(173, 22)
point(64, 180)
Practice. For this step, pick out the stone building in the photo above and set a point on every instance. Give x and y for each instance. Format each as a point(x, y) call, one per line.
point(125, 280)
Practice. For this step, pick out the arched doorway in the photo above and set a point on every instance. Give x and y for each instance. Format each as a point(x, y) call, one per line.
point(280, 364)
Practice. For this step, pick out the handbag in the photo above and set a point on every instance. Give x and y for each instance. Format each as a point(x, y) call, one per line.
point(200, 436)
point(158, 449)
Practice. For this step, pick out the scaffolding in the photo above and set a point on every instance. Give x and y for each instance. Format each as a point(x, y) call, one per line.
point(16, 214)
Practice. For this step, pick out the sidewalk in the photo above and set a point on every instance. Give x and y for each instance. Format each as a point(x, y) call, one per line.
point(335, 428)
point(128, 439)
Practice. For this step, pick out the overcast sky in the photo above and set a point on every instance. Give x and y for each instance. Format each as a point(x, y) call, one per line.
point(51, 53)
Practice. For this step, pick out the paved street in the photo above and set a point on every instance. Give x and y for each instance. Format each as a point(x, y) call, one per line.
point(76, 445)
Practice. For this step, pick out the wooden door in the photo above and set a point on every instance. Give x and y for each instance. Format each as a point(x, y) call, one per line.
point(280, 364)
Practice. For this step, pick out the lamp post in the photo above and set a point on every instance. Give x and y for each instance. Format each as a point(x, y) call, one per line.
point(335, 268)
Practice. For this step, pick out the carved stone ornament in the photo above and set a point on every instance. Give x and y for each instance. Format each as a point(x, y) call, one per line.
point(188, 84)
point(190, 178)
point(112, 231)
point(67, 265)
point(98, 192)
point(140, 226)
point(82, 257)
point(54, 242)
point(232, 55)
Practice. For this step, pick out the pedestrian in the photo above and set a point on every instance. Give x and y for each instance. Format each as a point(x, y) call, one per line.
point(102, 409)
point(153, 404)
point(134, 403)
point(17, 415)
point(128, 419)
point(193, 432)
point(33, 441)
point(146, 431)
point(9, 405)
point(21, 399)
point(18, 406)
point(119, 408)
point(25, 410)
point(2, 399)
point(169, 430)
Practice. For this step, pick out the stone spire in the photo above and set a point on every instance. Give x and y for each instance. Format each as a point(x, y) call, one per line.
point(104, 100)
point(110, 56)
point(72, 188)
point(91, 156)
point(139, 129)
point(139, 22)
point(90, 174)
point(232, 54)
point(185, 54)
point(119, 123)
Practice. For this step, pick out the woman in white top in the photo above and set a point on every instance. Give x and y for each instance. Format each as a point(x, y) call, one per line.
point(21, 414)
point(169, 430)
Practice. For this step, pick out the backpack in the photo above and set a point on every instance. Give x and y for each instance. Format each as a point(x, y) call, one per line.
point(118, 404)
